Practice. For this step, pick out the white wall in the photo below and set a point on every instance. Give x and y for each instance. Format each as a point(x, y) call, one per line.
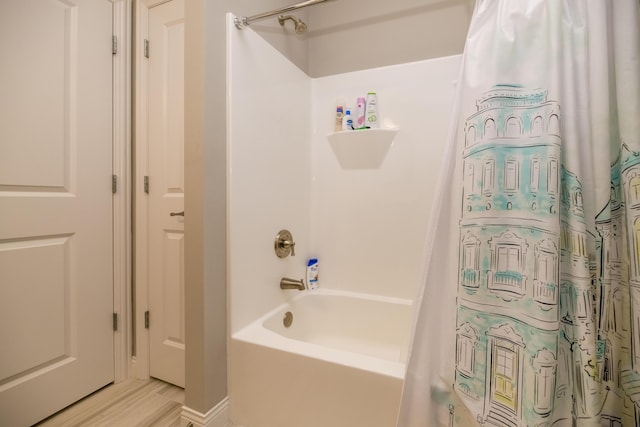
point(269, 173)
point(369, 225)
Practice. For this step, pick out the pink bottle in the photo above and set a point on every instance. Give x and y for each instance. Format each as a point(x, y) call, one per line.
point(360, 113)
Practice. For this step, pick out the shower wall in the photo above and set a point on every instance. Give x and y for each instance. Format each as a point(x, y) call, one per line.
point(268, 165)
point(367, 225)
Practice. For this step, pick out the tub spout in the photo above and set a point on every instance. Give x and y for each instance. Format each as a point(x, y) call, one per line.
point(286, 283)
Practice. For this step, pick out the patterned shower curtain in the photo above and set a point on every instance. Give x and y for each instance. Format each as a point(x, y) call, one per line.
point(530, 313)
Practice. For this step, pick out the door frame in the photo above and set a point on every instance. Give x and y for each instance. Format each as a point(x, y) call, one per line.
point(122, 208)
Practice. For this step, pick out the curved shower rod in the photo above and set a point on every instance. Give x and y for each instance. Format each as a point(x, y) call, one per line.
point(245, 21)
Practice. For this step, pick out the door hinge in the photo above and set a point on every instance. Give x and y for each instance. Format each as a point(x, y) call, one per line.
point(115, 321)
point(146, 184)
point(114, 184)
point(146, 319)
point(114, 44)
point(146, 48)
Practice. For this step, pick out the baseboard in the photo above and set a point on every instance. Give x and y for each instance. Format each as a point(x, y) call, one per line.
point(218, 416)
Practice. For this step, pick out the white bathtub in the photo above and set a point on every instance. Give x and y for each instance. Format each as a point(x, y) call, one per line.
point(340, 363)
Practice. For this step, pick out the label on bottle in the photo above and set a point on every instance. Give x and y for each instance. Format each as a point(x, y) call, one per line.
point(312, 274)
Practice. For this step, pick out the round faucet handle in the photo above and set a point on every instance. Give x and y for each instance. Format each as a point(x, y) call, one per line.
point(284, 244)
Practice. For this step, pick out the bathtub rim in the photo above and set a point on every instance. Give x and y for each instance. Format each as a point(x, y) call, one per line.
point(256, 333)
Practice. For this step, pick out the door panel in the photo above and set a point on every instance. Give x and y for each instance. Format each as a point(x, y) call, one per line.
point(56, 273)
point(166, 192)
point(37, 81)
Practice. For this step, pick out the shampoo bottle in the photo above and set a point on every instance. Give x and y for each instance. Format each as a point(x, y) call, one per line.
point(373, 121)
point(312, 274)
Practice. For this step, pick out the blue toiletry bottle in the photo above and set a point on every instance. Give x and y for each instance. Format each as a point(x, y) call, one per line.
point(347, 120)
point(312, 274)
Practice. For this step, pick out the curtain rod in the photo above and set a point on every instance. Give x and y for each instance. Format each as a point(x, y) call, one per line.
point(245, 21)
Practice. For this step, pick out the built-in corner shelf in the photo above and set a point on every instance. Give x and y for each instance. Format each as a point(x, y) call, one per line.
point(362, 149)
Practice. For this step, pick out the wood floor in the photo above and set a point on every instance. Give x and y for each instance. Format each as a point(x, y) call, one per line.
point(126, 404)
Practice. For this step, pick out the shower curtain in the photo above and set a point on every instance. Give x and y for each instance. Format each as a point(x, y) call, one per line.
point(530, 312)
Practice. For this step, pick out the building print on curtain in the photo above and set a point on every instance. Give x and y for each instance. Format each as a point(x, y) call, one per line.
point(544, 325)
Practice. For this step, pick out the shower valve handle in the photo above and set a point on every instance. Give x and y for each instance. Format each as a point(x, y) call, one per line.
point(284, 244)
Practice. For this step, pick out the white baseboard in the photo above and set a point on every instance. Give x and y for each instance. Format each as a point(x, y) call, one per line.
point(218, 416)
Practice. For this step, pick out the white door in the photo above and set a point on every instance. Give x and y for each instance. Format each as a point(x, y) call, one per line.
point(166, 191)
point(56, 276)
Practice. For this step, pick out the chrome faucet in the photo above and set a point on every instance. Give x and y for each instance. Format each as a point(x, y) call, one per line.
point(286, 283)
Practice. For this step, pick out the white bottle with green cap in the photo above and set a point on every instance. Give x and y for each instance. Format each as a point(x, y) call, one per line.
point(372, 119)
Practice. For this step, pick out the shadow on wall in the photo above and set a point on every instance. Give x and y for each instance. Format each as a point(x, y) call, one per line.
point(386, 16)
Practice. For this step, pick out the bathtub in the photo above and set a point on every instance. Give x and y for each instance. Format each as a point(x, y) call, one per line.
point(341, 362)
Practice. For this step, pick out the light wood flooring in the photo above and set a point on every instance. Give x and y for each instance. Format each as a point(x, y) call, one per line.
point(126, 404)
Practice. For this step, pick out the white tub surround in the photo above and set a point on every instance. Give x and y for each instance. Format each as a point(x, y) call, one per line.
point(366, 224)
